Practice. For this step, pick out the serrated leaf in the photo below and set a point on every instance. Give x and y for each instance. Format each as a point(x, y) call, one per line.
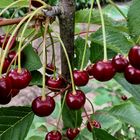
point(134, 19)
point(36, 78)
point(15, 122)
point(116, 41)
point(31, 59)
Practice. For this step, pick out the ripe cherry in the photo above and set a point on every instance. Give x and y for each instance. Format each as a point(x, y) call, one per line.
point(14, 92)
point(43, 107)
point(5, 65)
point(53, 135)
point(75, 100)
point(72, 133)
point(55, 84)
point(5, 100)
point(92, 124)
point(81, 78)
point(21, 79)
point(50, 68)
point(134, 57)
point(89, 69)
point(132, 75)
point(124, 97)
point(120, 63)
point(36, 3)
point(103, 70)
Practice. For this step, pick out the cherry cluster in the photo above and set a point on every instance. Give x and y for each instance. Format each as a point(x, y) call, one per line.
point(15, 79)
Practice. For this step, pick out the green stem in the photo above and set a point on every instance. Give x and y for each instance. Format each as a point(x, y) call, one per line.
point(103, 30)
point(86, 42)
point(111, 2)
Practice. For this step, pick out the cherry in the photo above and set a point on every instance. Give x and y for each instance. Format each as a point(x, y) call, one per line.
point(50, 68)
point(103, 70)
point(5, 86)
point(4, 40)
point(75, 100)
point(21, 79)
point(81, 78)
point(89, 69)
point(134, 56)
point(55, 84)
point(120, 63)
point(14, 92)
point(53, 135)
point(123, 97)
point(42, 107)
point(36, 3)
point(132, 75)
point(5, 65)
point(72, 133)
point(92, 124)
point(5, 100)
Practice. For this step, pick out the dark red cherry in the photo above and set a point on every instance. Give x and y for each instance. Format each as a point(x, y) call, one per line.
point(124, 97)
point(103, 71)
point(5, 86)
point(53, 135)
point(134, 57)
point(43, 107)
point(89, 69)
point(81, 78)
point(120, 63)
point(4, 40)
point(5, 65)
point(75, 100)
point(50, 68)
point(14, 92)
point(92, 124)
point(5, 100)
point(36, 3)
point(132, 75)
point(72, 133)
point(21, 79)
point(55, 84)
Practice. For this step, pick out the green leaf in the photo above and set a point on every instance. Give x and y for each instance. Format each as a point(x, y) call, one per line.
point(134, 19)
point(15, 122)
point(79, 49)
point(101, 134)
point(134, 90)
point(116, 41)
point(36, 78)
point(127, 112)
point(31, 59)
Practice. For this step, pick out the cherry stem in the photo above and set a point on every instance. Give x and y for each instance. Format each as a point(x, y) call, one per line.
point(68, 61)
point(86, 42)
point(85, 32)
point(88, 118)
point(44, 60)
point(103, 30)
point(60, 113)
point(115, 5)
point(91, 104)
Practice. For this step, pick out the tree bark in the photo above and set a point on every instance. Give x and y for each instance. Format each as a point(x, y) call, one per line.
point(67, 22)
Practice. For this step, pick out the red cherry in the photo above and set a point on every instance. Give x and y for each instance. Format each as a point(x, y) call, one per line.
point(55, 84)
point(42, 107)
point(4, 40)
point(72, 133)
point(14, 92)
point(120, 63)
point(5, 87)
point(134, 57)
point(103, 71)
point(36, 3)
point(123, 97)
point(132, 75)
point(89, 69)
point(81, 78)
point(50, 68)
point(53, 135)
point(21, 79)
point(92, 124)
point(5, 100)
point(75, 100)
point(5, 65)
